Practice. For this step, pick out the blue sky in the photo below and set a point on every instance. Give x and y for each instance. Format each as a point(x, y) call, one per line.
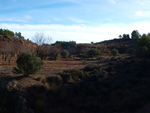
point(81, 20)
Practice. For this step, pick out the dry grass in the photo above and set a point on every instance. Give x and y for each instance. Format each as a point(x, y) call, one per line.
point(49, 68)
point(54, 67)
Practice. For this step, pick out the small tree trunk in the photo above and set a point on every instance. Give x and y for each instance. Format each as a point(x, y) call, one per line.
point(9, 59)
point(6, 57)
point(2, 56)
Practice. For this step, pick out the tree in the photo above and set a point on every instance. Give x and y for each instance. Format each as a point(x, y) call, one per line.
point(143, 46)
point(141, 51)
point(135, 34)
point(40, 38)
point(13, 49)
point(10, 49)
point(64, 45)
point(42, 42)
point(126, 36)
point(54, 53)
point(6, 32)
point(144, 41)
point(120, 36)
point(64, 53)
point(93, 52)
point(115, 52)
point(43, 51)
point(1, 32)
point(148, 34)
point(18, 35)
point(28, 63)
point(92, 42)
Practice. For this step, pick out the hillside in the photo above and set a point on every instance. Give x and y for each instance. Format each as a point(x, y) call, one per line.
point(10, 47)
point(113, 84)
point(6, 39)
point(122, 45)
point(76, 83)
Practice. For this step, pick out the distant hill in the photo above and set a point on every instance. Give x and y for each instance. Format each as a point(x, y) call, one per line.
point(122, 45)
point(11, 47)
point(26, 43)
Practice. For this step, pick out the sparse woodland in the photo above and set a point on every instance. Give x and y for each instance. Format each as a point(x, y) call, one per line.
point(66, 77)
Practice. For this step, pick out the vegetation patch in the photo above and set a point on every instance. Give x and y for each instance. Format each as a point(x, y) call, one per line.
point(28, 63)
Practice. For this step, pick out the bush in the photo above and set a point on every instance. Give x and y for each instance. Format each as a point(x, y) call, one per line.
point(115, 52)
point(54, 81)
point(95, 70)
point(28, 63)
point(93, 52)
point(54, 56)
point(54, 53)
point(143, 47)
point(64, 53)
point(72, 75)
point(141, 51)
point(91, 67)
point(130, 51)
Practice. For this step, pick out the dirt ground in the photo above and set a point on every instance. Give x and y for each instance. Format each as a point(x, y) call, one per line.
point(12, 81)
point(49, 68)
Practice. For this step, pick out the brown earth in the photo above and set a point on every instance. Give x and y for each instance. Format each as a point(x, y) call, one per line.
point(48, 69)
point(18, 82)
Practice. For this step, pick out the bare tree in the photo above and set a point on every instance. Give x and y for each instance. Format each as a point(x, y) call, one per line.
point(42, 42)
point(4, 51)
point(13, 49)
point(9, 50)
point(40, 38)
point(43, 51)
point(54, 53)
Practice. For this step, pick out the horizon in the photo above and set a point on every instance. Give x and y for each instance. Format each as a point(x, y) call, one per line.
point(83, 21)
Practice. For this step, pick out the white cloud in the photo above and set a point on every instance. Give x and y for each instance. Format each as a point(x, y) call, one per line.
point(6, 19)
point(79, 33)
point(28, 17)
point(142, 13)
point(75, 20)
point(139, 13)
point(10, 20)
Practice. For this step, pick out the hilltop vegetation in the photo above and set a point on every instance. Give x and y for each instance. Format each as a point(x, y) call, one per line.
point(12, 44)
point(7, 32)
point(104, 77)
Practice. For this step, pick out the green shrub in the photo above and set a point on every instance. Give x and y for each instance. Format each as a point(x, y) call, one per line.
point(143, 47)
point(130, 51)
point(54, 53)
point(54, 56)
point(54, 80)
point(115, 52)
point(58, 56)
point(94, 52)
point(72, 75)
point(141, 51)
point(95, 70)
point(64, 53)
point(91, 67)
point(28, 63)
point(144, 41)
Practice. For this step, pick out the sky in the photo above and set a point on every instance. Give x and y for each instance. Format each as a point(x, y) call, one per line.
point(83, 21)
